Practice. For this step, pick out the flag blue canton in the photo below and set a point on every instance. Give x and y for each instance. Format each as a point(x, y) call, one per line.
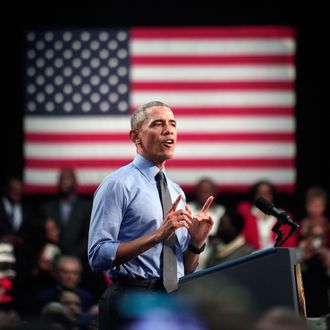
point(77, 72)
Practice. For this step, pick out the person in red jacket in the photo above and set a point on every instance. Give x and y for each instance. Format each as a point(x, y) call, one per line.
point(258, 226)
point(6, 286)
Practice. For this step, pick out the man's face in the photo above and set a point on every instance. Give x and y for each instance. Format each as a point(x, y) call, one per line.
point(316, 207)
point(264, 191)
point(157, 135)
point(15, 191)
point(71, 301)
point(67, 182)
point(68, 274)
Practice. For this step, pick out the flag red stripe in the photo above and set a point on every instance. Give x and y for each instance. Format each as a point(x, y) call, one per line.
point(117, 137)
point(232, 111)
point(211, 60)
point(240, 188)
point(212, 32)
point(184, 85)
point(174, 163)
point(87, 189)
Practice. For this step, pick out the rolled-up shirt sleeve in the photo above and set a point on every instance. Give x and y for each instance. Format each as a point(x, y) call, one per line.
point(106, 218)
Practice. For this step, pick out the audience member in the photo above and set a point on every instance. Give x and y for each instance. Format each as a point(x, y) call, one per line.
point(281, 318)
point(258, 225)
point(9, 320)
point(314, 251)
point(71, 214)
point(141, 310)
point(48, 252)
point(67, 272)
point(16, 217)
point(316, 200)
point(54, 316)
point(206, 187)
point(71, 301)
point(18, 228)
point(228, 243)
point(222, 304)
point(7, 261)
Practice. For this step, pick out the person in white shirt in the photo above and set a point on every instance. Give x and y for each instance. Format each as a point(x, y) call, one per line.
point(206, 187)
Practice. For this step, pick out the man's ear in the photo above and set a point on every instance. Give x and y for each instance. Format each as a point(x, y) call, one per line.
point(134, 136)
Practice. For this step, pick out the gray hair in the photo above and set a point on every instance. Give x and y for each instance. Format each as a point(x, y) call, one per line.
point(57, 263)
point(141, 113)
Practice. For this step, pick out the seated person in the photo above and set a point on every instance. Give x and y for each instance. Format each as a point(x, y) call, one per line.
point(258, 225)
point(314, 252)
point(281, 318)
point(228, 243)
point(67, 272)
point(316, 200)
point(71, 301)
point(205, 188)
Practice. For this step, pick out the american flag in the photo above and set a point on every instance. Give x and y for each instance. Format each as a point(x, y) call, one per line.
point(231, 89)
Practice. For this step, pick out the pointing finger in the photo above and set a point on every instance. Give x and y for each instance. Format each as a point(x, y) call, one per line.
point(175, 204)
point(188, 208)
point(207, 204)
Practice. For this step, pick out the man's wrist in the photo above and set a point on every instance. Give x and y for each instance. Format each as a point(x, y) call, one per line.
point(196, 250)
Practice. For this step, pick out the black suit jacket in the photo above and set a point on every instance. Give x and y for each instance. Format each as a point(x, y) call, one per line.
point(28, 222)
point(73, 233)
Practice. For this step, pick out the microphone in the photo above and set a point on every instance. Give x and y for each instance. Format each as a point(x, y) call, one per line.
point(267, 207)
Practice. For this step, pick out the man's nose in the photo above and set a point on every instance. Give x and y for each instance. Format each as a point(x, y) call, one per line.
point(168, 128)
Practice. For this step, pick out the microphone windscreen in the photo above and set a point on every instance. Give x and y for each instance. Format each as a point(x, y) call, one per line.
point(264, 205)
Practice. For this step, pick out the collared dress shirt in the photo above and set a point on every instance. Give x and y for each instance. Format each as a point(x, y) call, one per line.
point(127, 206)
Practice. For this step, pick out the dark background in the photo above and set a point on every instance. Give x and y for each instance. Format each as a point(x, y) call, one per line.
point(310, 19)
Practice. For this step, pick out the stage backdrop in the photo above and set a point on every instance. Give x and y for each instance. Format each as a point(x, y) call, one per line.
point(232, 91)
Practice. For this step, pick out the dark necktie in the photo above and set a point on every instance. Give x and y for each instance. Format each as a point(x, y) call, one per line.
point(169, 256)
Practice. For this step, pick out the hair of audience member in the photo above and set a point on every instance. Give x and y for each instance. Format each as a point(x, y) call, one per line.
point(65, 257)
point(222, 304)
point(236, 219)
point(281, 318)
point(314, 192)
point(254, 189)
point(54, 314)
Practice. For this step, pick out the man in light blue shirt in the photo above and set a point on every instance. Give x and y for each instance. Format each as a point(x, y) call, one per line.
point(127, 228)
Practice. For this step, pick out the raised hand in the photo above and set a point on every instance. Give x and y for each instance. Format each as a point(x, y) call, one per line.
point(201, 224)
point(174, 219)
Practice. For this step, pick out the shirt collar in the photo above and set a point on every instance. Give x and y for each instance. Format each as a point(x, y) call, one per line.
point(146, 167)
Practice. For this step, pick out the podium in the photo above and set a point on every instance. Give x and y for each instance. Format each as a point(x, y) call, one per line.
point(262, 280)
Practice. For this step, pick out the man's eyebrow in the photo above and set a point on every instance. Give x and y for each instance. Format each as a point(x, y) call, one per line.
point(156, 120)
point(173, 121)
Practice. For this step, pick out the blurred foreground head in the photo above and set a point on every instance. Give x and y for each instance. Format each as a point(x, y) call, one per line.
point(281, 318)
point(222, 304)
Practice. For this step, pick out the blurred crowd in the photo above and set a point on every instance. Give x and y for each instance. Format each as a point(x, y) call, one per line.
point(45, 278)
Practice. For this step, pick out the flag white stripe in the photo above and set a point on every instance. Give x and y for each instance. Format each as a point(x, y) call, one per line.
point(212, 73)
point(216, 98)
point(186, 124)
point(221, 176)
point(77, 124)
point(184, 150)
point(191, 47)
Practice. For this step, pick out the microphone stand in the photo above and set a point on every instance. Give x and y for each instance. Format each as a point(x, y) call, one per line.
point(276, 229)
point(279, 233)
